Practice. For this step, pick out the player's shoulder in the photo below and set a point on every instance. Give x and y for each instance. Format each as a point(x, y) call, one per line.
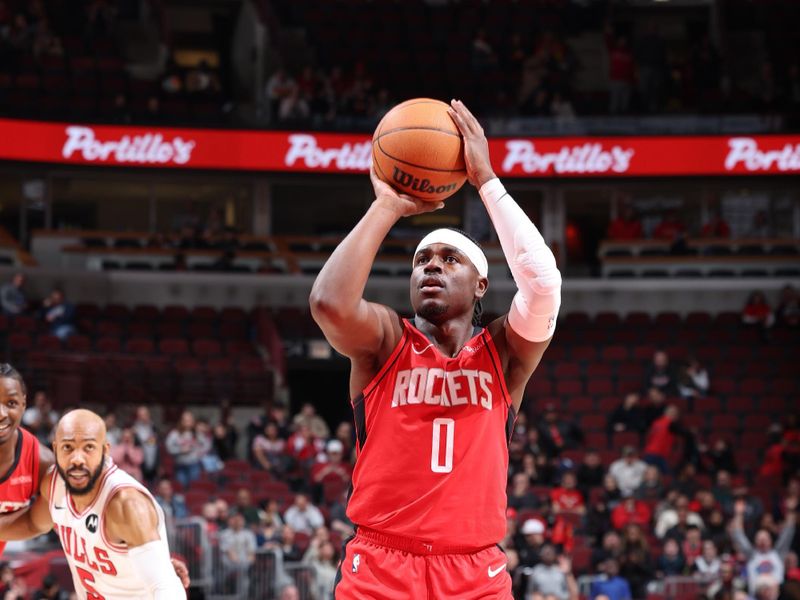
point(129, 502)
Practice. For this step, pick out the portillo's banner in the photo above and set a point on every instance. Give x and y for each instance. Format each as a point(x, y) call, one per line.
point(309, 152)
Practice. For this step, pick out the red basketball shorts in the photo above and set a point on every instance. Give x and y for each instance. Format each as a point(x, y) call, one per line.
point(376, 566)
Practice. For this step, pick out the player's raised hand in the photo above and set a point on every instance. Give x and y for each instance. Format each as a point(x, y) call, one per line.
point(476, 146)
point(404, 205)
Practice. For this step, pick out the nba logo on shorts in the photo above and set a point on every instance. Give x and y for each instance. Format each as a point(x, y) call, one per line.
point(356, 562)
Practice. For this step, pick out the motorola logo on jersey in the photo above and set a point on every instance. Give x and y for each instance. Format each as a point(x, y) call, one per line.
point(437, 387)
point(92, 522)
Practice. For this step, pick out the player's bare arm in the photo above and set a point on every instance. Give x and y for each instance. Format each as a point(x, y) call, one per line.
point(32, 521)
point(365, 332)
point(524, 333)
point(46, 461)
point(131, 519)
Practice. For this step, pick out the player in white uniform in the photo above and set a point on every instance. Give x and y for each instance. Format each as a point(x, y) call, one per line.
point(110, 527)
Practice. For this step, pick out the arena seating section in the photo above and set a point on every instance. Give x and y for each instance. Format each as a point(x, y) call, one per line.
point(173, 356)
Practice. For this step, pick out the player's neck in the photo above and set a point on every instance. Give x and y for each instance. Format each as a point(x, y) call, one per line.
point(449, 336)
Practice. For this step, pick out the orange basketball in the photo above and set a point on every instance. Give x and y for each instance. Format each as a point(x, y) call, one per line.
point(418, 150)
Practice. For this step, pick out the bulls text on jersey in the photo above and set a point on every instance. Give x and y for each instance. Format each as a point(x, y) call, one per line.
point(93, 557)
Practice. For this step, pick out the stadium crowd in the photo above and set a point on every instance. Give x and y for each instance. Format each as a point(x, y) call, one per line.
point(533, 71)
point(672, 502)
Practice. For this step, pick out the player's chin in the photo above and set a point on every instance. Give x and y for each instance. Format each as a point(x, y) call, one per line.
point(6, 431)
point(431, 308)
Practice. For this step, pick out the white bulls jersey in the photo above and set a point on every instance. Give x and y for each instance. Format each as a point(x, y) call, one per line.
point(101, 569)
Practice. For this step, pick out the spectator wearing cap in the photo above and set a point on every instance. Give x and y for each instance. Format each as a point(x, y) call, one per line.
point(332, 467)
point(611, 586)
point(762, 557)
point(628, 471)
point(531, 542)
point(557, 434)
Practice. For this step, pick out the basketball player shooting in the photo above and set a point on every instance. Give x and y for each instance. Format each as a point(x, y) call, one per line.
point(435, 397)
point(110, 527)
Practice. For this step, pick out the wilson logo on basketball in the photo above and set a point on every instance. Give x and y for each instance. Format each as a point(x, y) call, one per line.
point(407, 180)
point(347, 157)
point(581, 158)
point(148, 148)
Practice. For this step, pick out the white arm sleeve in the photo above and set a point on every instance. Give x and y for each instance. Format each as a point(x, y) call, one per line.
point(535, 306)
point(152, 564)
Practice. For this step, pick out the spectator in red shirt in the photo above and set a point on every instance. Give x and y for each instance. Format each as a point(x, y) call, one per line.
point(716, 227)
point(661, 439)
point(631, 510)
point(772, 464)
point(302, 447)
point(669, 228)
point(626, 226)
point(333, 467)
point(757, 311)
point(621, 73)
point(567, 498)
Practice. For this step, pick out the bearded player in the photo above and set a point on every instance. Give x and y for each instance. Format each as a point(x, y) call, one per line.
point(435, 397)
point(110, 527)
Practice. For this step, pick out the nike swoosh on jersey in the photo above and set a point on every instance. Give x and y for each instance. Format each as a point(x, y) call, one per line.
point(58, 507)
point(414, 348)
point(497, 571)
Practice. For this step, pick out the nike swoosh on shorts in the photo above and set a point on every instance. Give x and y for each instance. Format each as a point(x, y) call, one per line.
point(497, 571)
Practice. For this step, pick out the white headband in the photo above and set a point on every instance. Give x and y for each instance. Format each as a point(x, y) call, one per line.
point(462, 243)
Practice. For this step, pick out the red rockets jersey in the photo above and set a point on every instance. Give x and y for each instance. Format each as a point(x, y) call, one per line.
point(21, 482)
point(432, 448)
